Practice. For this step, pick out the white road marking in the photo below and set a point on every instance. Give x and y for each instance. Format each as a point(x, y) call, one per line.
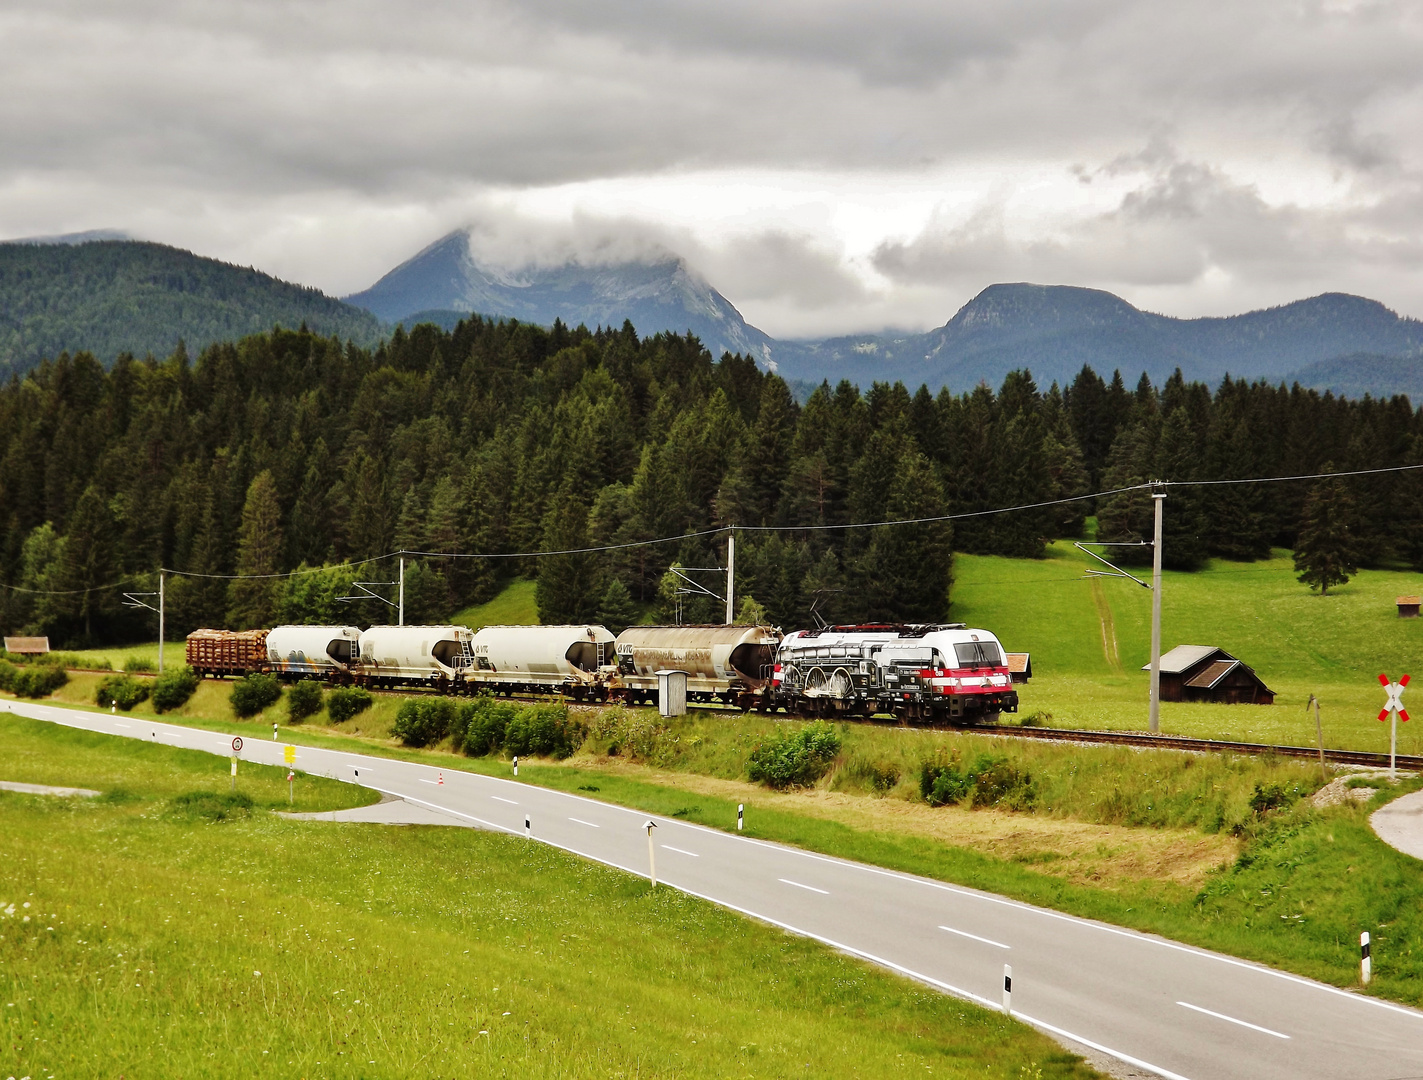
point(679, 851)
point(798, 885)
point(424, 781)
point(975, 937)
point(117, 724)
point(511, 802)
point(1231, 1019)
point(590, 825)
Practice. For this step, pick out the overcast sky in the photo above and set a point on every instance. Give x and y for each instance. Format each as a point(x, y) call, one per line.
point(831, 167)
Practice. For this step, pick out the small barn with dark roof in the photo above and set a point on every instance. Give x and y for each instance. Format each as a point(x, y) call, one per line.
point(1020, 666)
point(1208, 673)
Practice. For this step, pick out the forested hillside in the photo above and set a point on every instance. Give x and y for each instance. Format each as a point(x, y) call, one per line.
point(117, 296)
point(287, 451)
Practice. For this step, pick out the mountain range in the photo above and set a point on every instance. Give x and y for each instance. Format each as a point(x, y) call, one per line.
point(95, 292)
point(109, 296)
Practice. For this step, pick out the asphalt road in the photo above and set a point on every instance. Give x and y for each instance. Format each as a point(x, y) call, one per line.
point(1167, 1008)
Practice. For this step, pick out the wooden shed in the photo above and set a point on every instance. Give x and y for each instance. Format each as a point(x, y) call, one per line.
point(1208, 673)
point(1020, 666)
point(27, 646)
point(1408, 607)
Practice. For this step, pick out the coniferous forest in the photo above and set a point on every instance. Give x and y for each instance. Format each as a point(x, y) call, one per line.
point(288, 451)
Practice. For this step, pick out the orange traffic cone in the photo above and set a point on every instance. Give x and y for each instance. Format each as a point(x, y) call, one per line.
point(442, 778)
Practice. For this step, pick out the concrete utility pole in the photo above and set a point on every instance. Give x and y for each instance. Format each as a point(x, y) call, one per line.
point(730, 576)
point(160, 621)
point(401, 608)
point(1159, 498)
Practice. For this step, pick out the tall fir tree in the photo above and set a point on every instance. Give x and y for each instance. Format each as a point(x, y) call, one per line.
point(1326, 552)
point(252, 598)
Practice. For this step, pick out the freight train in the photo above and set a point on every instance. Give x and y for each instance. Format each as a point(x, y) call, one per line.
point(914, 672)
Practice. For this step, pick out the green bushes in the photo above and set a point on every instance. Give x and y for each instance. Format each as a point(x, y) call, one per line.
point(485, 721)
point(637, 734)
point(544, 731)
point(424, 720)
point(991, 780)
point(795, 758)
point(253, 693)
point(485, 726)
point(347, 701)
point(139, 665)
point(123, 691)
point(305, 699)
point(172, 689)
point(34, 681)
point(71, 660)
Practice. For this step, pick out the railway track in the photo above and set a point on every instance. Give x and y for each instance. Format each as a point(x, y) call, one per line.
point(1363, 758)
point(1182, 742)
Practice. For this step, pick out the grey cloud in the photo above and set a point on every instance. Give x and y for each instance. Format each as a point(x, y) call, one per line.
point(1183, 223)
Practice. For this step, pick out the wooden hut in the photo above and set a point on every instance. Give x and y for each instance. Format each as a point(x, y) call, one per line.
point(1408, 607)
point(1020, 666)
point(1208, 673)
point(27, 646)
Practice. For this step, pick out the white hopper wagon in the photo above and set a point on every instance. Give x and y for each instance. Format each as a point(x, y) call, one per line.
point(327, 652)
point(435, 656)
point(542, 659)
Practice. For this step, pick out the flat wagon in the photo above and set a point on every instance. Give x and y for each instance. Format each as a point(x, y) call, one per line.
point(227, 652)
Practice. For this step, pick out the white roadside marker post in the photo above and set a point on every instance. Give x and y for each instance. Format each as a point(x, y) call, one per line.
point(1007, 990)
point(1366, 963)
point(516, 764)
point(740, 816)
point(274, 731)
point(651, 855)
point(528, 827)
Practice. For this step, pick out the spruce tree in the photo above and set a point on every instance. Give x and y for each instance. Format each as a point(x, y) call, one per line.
point(1326, 552)
point(569, 585)
point(616, 610)
point(252, 599)
point(1183, 524)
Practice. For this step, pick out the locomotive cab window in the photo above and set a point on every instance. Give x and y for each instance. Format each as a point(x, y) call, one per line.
point(978, 654)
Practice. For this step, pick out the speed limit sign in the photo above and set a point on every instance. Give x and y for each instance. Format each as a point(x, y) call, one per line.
point(237, 744)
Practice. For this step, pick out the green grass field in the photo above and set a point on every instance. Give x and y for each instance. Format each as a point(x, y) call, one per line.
point(1090, 638)
point(514, 606)
point(140, 937)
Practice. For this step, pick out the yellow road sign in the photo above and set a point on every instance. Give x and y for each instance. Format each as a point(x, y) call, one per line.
point(289, 753)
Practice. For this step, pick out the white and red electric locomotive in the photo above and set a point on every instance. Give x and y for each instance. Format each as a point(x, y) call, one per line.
point(937, 671)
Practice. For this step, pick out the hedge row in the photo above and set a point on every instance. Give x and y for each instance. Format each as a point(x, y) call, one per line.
point(485, 726)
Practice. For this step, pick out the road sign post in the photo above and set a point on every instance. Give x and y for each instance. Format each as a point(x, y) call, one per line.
point(651, 855)
point(236, 749)
point(1394, 709)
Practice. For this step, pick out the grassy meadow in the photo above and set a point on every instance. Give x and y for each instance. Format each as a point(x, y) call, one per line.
point(1090, 638)
point(1164, 841)
point(144, 933)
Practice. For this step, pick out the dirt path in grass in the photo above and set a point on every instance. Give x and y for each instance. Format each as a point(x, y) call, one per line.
point(1108, 625)
point(1101, 855)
